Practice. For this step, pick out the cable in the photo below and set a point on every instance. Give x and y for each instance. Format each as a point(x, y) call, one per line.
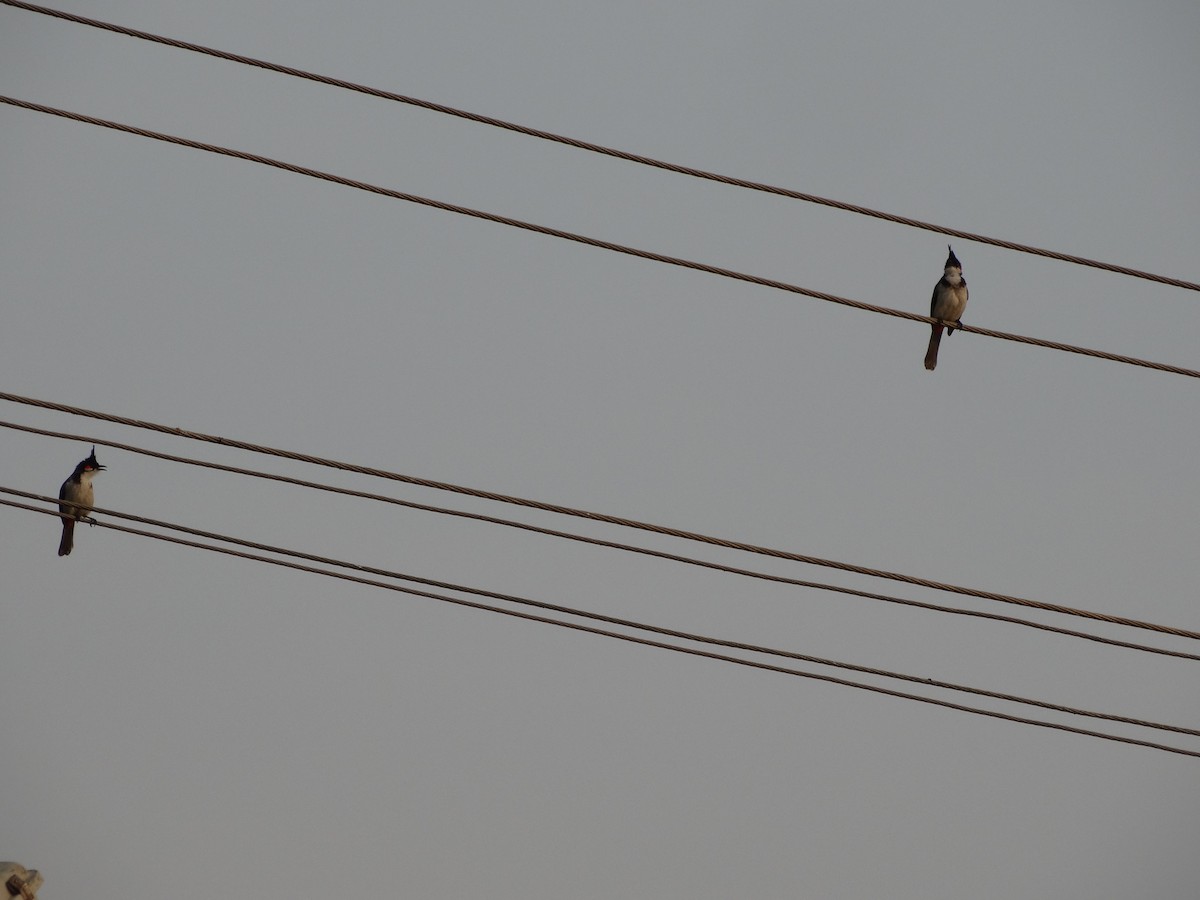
point(599, 517)
point(599, 148)
point(611, 620)
point(589, 241)
point(607, 619)
point(536, 529)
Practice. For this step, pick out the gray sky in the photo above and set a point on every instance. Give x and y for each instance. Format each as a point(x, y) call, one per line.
point(179, 723)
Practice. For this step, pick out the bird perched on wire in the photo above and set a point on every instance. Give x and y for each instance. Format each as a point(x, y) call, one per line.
point(949, 301)
point(77, 490)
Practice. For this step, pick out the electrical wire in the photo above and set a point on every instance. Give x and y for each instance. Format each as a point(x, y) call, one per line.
point(599, 148)
point(590, 241)
point(537, 529)
point(611, 620)
point(600, 517)
point(615, 621)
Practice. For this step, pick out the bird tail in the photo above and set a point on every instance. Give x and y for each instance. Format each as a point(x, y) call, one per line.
point(68, 537)
point(931, 353)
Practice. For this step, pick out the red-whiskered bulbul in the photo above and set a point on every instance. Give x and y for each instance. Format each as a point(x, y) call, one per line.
point(77, 489)
point(949, 301)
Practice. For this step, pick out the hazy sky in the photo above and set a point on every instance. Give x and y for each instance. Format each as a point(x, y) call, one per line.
point(179, 724)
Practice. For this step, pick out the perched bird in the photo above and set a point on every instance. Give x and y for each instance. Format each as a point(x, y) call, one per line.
point(77, 489)
point(949, 301)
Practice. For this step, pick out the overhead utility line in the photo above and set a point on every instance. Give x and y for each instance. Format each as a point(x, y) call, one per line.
point(599, 148)
point(598, 617)
point(596, 517)
point(584, 239)
point(612, 620)
point(599, 542)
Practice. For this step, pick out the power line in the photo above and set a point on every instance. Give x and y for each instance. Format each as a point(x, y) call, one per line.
point(589, 241)
point(601, 149)
point(611, 620)
point(598, 517)
point(585, 539)
point(616, 621)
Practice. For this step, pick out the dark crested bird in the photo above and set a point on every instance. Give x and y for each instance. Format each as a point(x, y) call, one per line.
point(77, 490)
point(949, 301)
